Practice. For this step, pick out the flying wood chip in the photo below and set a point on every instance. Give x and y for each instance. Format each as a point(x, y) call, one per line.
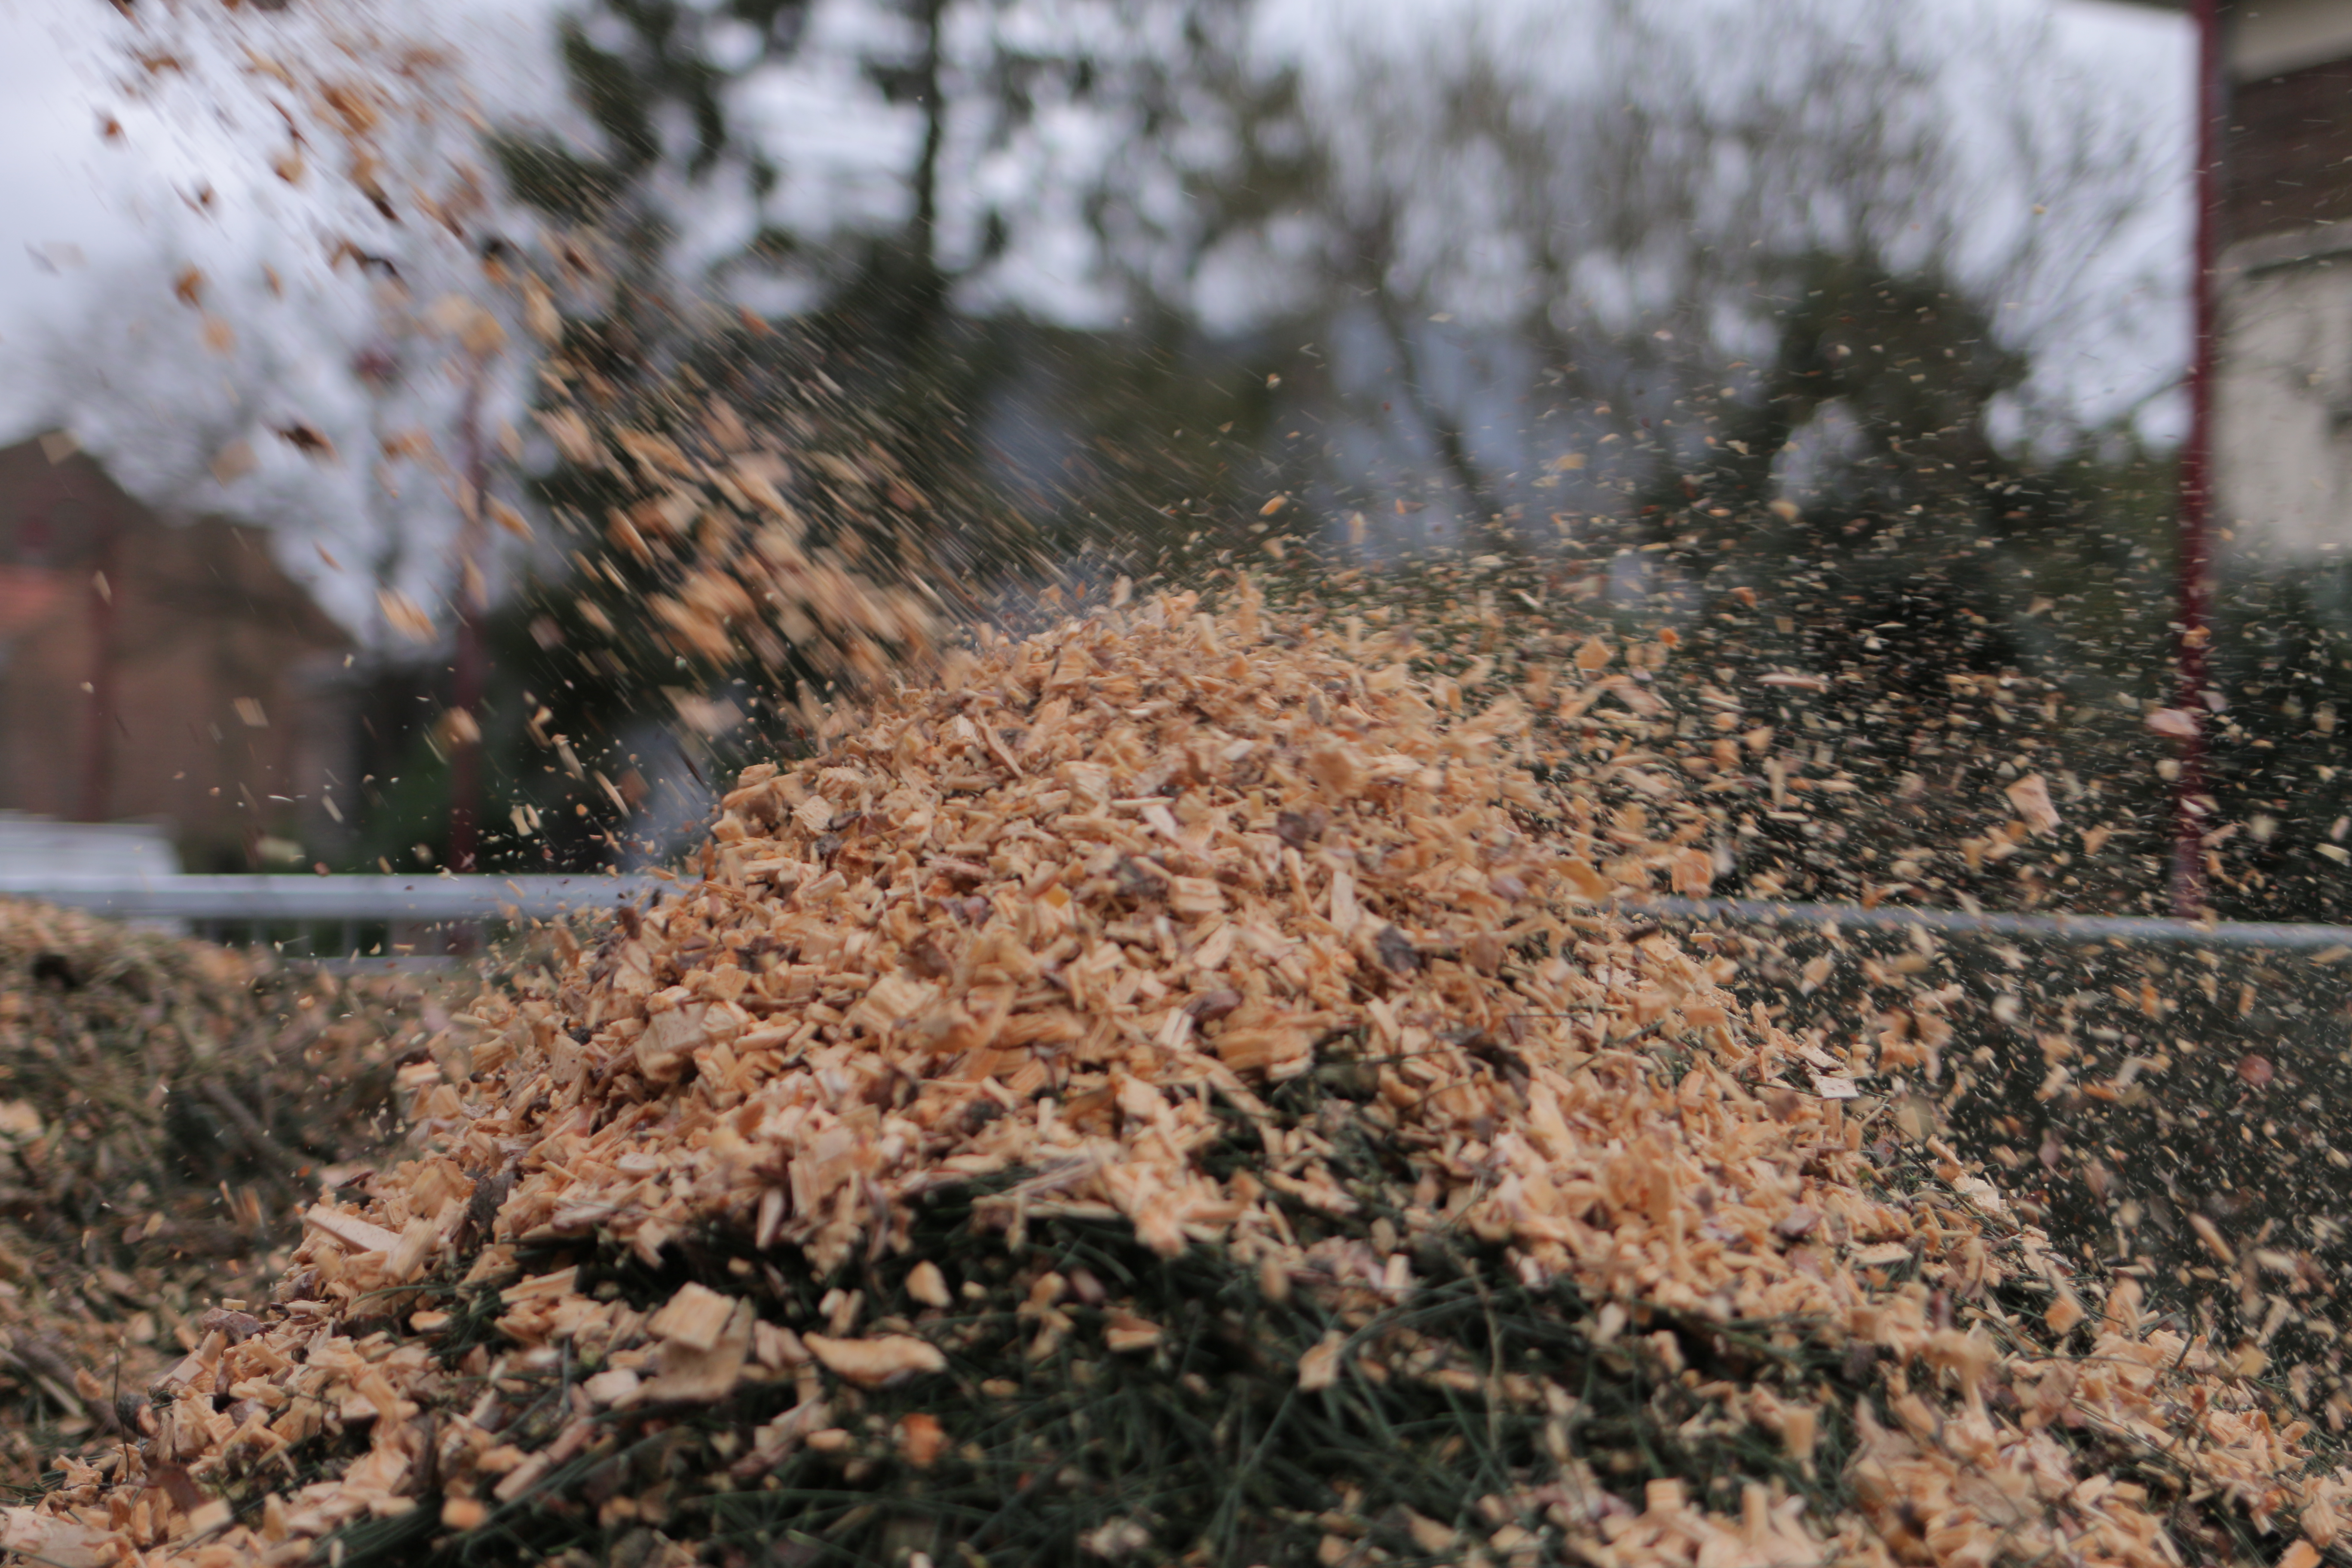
point(232, 462)
point(405, 615)
point(307, 439)
point(2031, 797)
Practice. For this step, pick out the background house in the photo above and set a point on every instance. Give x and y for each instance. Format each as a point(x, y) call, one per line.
point(159, 670)
point(2283, 279)
point(2283, 403)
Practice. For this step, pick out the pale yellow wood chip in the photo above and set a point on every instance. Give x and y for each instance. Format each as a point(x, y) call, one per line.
point(871, 1362)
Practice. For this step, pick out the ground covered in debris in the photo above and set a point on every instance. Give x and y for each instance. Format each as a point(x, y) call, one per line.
point(163, 1104)
point(1177, 1088)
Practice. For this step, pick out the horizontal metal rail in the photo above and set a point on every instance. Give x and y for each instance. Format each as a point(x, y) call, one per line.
point(424, 898)
point(359, 897)
point(2146, 929)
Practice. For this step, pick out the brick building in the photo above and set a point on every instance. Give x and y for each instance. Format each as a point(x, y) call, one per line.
point(2283, 279)
point(159, 669)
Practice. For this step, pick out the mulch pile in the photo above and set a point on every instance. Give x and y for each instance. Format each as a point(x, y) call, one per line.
point(165, 1106)
point(1176, 1089)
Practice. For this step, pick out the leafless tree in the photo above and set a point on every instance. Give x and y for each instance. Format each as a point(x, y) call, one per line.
point(161, 376)
point(1584, 213)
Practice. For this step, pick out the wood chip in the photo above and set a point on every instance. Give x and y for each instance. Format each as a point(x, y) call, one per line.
point(355, 1234)
point(872, 1362)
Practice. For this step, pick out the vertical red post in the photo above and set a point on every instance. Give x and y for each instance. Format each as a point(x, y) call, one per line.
point(2196, 552)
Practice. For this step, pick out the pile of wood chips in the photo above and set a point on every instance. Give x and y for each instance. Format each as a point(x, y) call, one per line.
point(1213, 933)
point(164, 1106)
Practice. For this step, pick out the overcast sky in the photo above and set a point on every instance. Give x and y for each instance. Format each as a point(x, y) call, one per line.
point(75, 204)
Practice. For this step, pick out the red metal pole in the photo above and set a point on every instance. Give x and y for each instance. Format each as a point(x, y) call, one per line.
point(2195, 548)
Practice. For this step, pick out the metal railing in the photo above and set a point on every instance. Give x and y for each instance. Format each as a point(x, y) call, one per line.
point(217, 905)
point(339, 921)
point(2143, 928)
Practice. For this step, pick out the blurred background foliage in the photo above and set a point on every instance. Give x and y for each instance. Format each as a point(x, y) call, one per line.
point(1126, 288)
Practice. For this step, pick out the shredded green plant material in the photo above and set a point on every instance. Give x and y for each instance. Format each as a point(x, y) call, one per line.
point(164, 1107)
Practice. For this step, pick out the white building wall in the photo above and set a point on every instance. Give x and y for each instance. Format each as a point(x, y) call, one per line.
point(2282, 401)
point(2271, 36)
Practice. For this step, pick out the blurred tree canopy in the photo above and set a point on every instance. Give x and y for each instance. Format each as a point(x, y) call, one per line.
point(1110, 278)
point(1008, 436)
point(1035, 292)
